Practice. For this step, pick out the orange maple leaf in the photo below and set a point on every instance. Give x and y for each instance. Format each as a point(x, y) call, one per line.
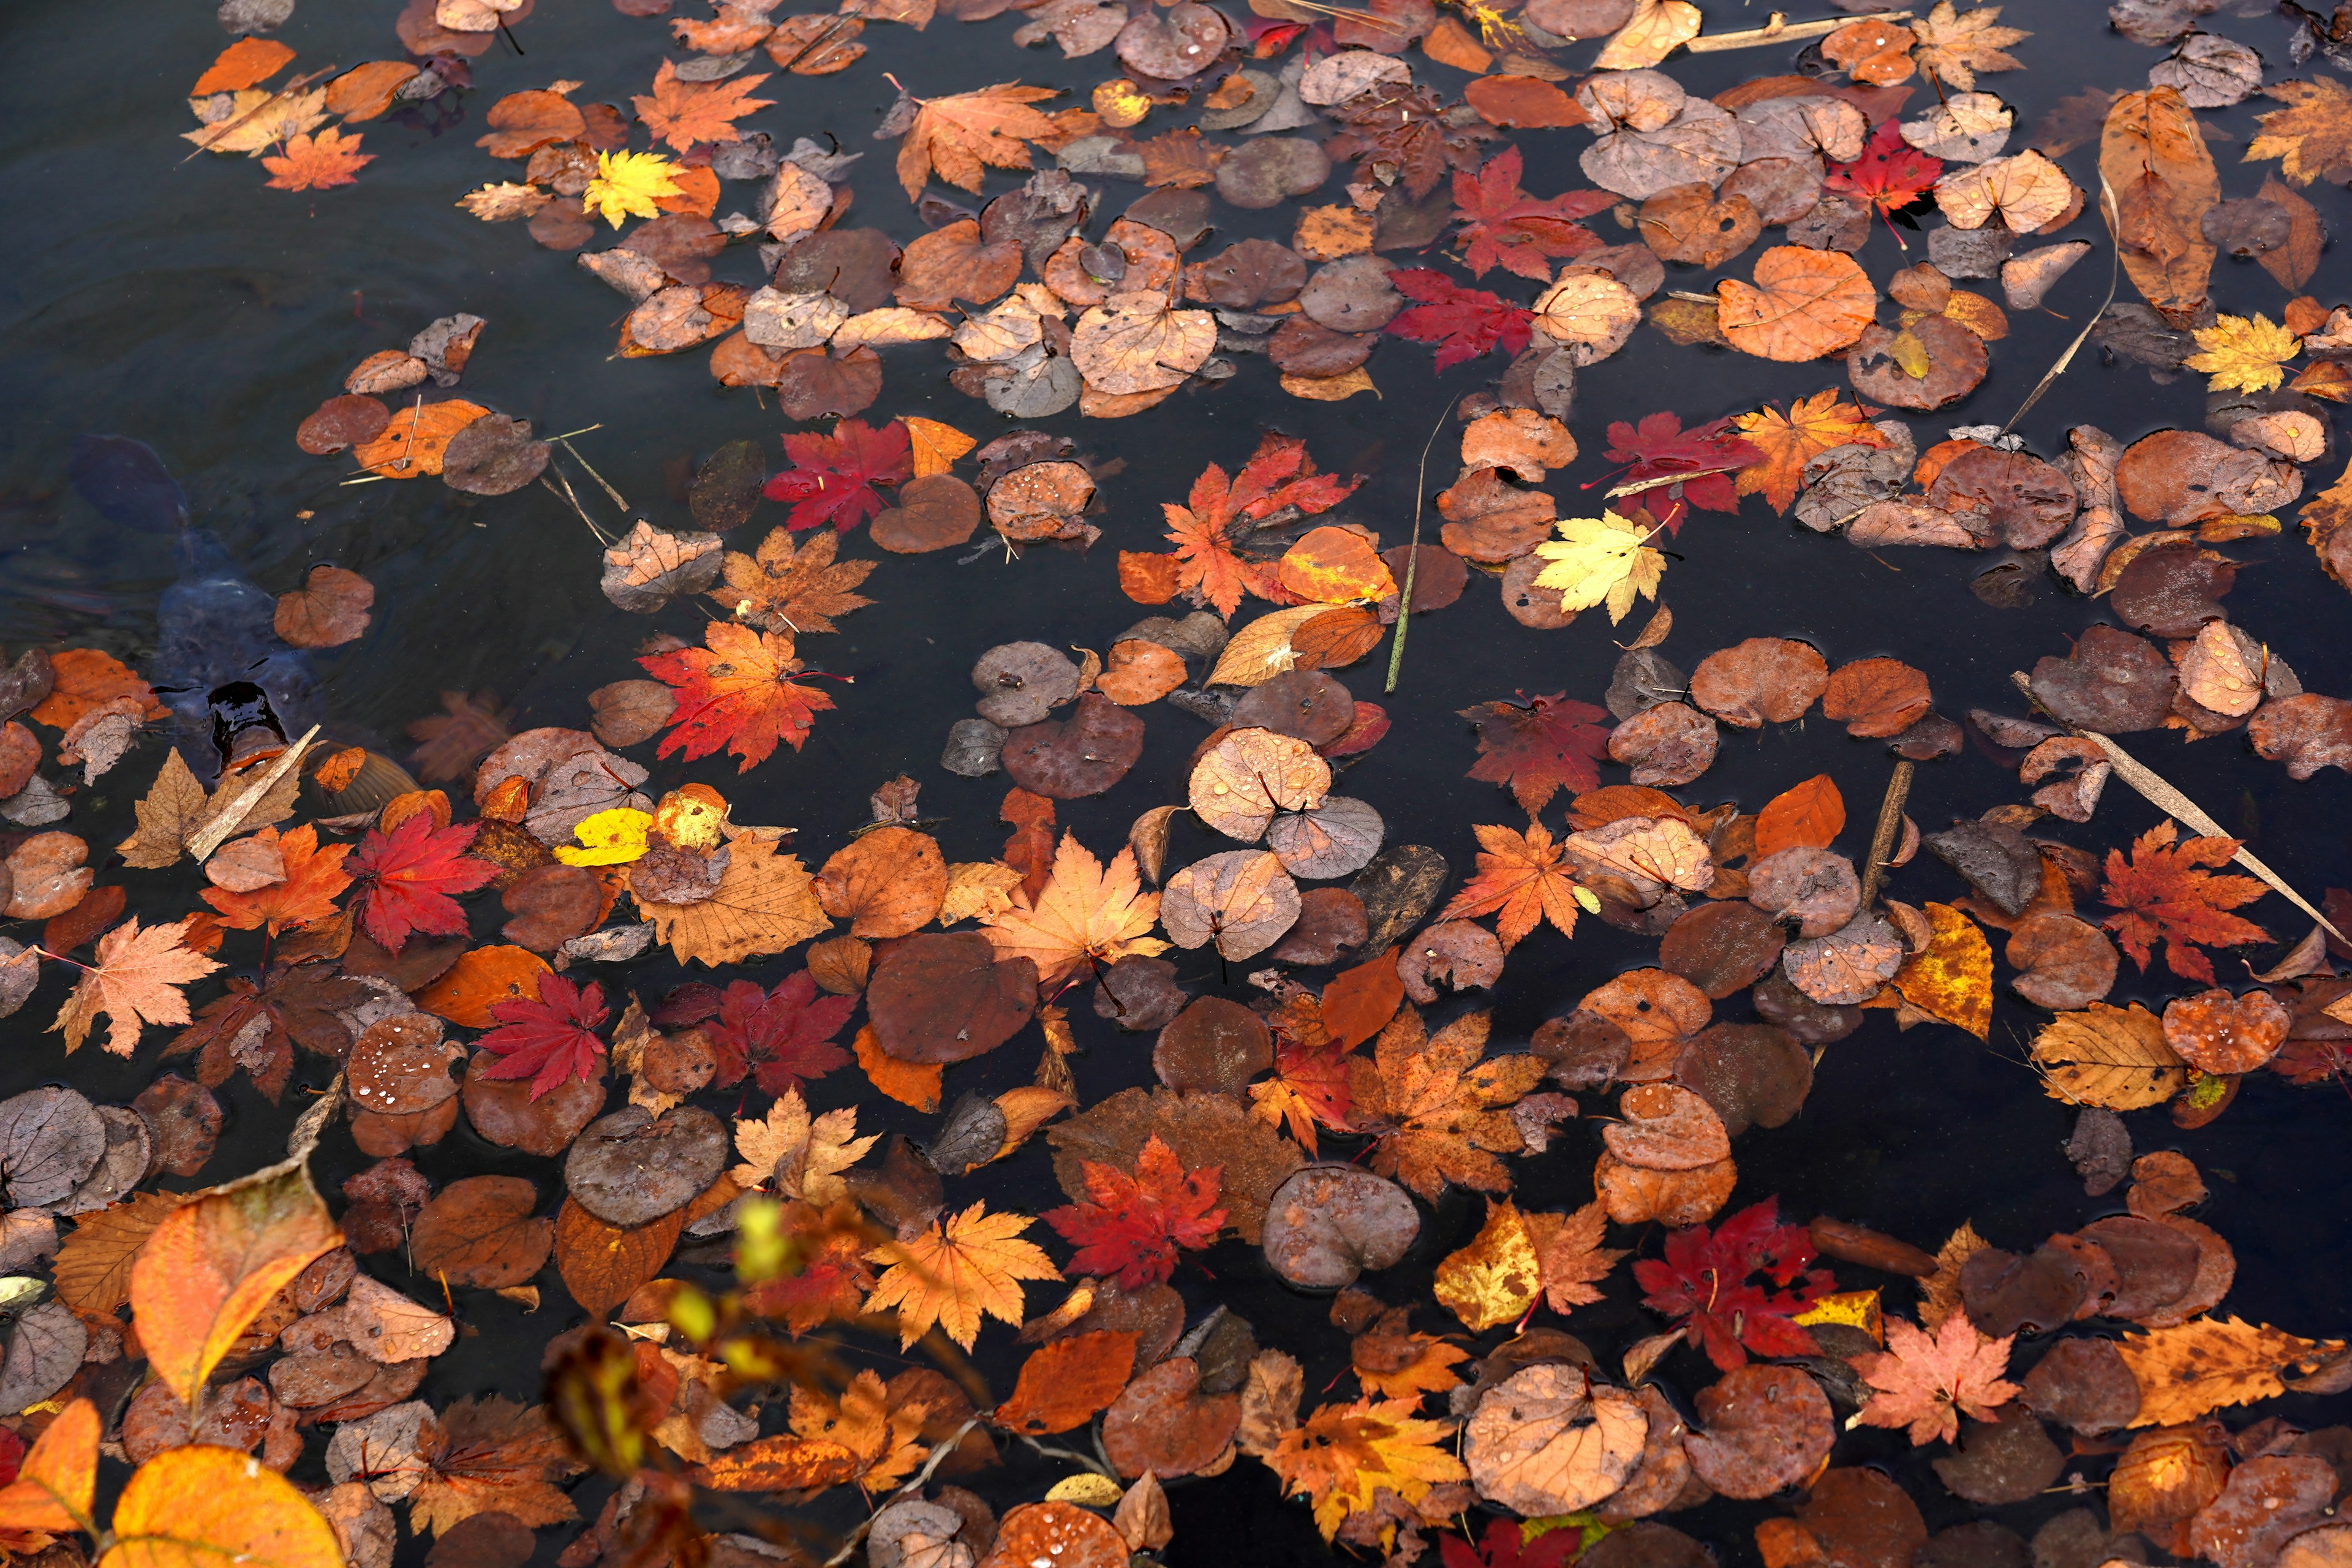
point(1811, 427)
point(957, 1271)
point(315, 162)
point(1927, 1382)
point(1085, 915)
point(954, 137)
point(136, 981)
point(2166, 895)
point(682, 113)
point(1437, 1108)
point(1519, 879)
point(1279, 474)
point(314, 881)
point(732, 693)
point(1341, 1456)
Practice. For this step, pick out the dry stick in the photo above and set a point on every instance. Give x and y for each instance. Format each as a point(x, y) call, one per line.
point(263, 107)
point(2144, 779)
point(566, 493)
point(2114, 274)
point(618, 500)
point(215, 832)
point(1890, 824)
point(1780, 30)
point(1413, 555)
point(939, 1451)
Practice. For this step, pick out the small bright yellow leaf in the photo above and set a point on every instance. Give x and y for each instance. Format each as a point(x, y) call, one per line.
point(613, 838)
point(2239, 354)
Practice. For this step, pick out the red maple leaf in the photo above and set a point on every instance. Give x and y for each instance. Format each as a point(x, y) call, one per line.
point(1703, 1281)
point(1463, 322)
point(550, 1038)
point(736, 692)
point(1539, 747)
point(1278, 475)
point(1136, 1223)
point(784, 1037)
point(1504, 1548)
point(2166, 895)
point(1693, 466)
point(1504, 226)
point(1890, 174)
point(404, 878)
point(832, 478)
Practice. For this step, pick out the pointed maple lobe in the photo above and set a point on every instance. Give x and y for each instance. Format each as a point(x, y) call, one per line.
point(1889, 175)
point(1221, 510)
point(682, 113)
point(1133, 1227)
point(314, 880)
point(832, 478)
point(548, 1039)
point(956, 1272)
point(1462, 322)
point(1342, 1455)
point(406, 878)
point(1787, 442)
point(1927, 1382)
point(1702, 1282)
point(1310, 1086)
point(1693, 465)
point(733, 695)
point(783, 1038)
point(1502, 226)
point(1520, 880)
point(1539, 747)
point(2166, 894)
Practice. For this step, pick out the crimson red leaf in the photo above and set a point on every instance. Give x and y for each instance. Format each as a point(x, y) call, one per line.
point(549, 1039)
point(1504, 226)
point(1463, 322)
point(783, 1036)
point(1693, 466)
point(1537, 747)
point(1890, 174)
point(404, 878)
point(1135, 1225)
point(832, 478)
point(1702, 1282)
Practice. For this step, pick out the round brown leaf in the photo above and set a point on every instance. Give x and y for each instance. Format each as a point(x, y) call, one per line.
point(479, 1231)
point(502, 1110)
point(2065, 964)
point(631, 1167)
point(494, 456)
point(1955, 357)
point(1328, 1223)
point(1305, 704)
point(341, 423)
point(1547, 1440)
point(1061, 1534)
point(329, 610)
point(1041, 501)
point(936, 511)
point(1082, 755)
point(1722, 947)
point(401, 1066)
point(1760, 680)
point(1847, 966)
point(1754, 1075)
point(550, 905)
point(2223, 1034)
point(1243, 900)
point(1634, 1195)
point(1691, 225)
point(944, 997)
point(1765, 1427)
point(1666, 746)
point(1162, 1422)
point(2113, 682)
point(1876, 698)
point(889, 882)
point(183, 1119)
point(2082, 1384)
point(1815, 888)
point(1663, 1127)
point(2024, 500)
point(1241, 783)
point(1214, 1045)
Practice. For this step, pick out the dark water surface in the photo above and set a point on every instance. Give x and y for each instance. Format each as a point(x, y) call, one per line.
point(184, 304)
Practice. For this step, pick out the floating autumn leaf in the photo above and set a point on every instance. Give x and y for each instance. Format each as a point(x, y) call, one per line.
point(213, 1265)
point(406, 878)
point(1789, 441)
point(735, 694)
point(1462, 324)
point(2312, 135)
point(1927, 1382)
point(1243, 901)
point(54, 1484)
point(1250, 775)
point(802, 1154)
point(1547, 1440)
point(1804, 304)
point(2241, 355)
point(136, 981)
point(2154, 159)
point(1063, 1385)
point(311, 879)
point(201, 1503)
point(1439, 1113)
point(1132, 1226)
point(629, 185)
point(967, 1267)
point(1603, 559)
point(248, 62)
point(1954, 46)
point(1693, 468)
point(415, 443)
point(1334, 566)
point(959, 136)
point(1539, 747)
point(317, 162)
point(1704, 1281)
point(1497, 1279)
point(1520, 879)
point(1890, 173)
point(1502, 225)
point(833, 478)
point(1342, 1455)
point(2165, 894)
point(2114, 1058)
point(682, 113)
point(2205, 1365)
point(549, 1038)
point(1086, 915)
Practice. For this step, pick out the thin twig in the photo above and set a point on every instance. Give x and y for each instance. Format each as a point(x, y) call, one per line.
point(2114, 274)
point(618, 500)
point(939, 1451)
point(1780, 30)
point(1413, 555)
point(566, 494)
point(1890, 824)
point(2161, 792)
point(214, 834)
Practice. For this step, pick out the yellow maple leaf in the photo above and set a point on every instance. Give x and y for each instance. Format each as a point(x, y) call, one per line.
point(629, 185)
point(1343, 1455)
point(956, 1273)
point(803, 1154)
point(2243, 355)
point(1520, 880)
point(1811, 427)
point(1084, 914)
point(1600, 560)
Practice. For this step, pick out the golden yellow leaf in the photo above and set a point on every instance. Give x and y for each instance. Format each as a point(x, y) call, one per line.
point(1600, 560)
point(957, 1272)
point(1658, 27)
point(2312, 135)
point(200, 1507)
point(766, 902)
point(1343, 1455)
point(1497, 1279)
point(52, 1491)
point(2109, 1057)
point(2208, 1363)
point(2241, 355)
point(936, 446)
point(1952, 978)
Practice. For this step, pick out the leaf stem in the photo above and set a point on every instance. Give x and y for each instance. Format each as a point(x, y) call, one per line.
point(1413, 555)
